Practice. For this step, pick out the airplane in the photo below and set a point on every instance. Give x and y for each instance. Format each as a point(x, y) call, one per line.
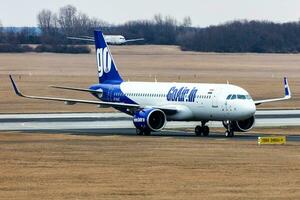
point(110, 39)
point(152, 104)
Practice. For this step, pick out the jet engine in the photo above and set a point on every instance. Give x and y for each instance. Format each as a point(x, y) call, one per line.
point(244, 125)
point(149, 119)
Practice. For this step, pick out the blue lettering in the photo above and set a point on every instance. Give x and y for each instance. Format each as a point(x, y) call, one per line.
point(178, 95)
point(174, 94)
point(182, 94)
point(192, 95)
point(170, 94)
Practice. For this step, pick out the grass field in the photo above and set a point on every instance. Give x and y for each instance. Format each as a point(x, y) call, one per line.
point(260, 74)
point(53, 166)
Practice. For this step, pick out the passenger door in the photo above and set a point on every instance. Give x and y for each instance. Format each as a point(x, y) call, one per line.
point(214, 99)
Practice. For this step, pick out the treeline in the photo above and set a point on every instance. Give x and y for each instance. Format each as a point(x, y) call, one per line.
point(55, 27)
point(21, 48)
point(160, 30)
point(25, 35)
point(235, 36)
point(244, 36)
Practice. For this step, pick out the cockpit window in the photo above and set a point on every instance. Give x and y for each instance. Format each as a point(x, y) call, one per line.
point(241, 96)
point(228, 97)
point(248, 97)
point(233, 96)
point(238, 96)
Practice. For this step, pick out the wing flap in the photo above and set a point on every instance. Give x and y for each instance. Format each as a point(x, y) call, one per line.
point(76, 89)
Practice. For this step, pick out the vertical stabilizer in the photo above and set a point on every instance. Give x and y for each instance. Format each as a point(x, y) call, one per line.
point(107, 70)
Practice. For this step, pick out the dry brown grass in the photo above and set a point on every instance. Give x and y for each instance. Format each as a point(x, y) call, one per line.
point(52, 166)
point(260, 74)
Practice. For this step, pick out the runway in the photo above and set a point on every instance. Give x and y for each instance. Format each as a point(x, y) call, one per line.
point(121, 124)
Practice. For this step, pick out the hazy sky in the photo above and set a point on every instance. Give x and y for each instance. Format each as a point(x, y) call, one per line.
point(202, 12)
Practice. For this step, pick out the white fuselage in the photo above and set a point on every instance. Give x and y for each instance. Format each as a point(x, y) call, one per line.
point(194, 101)
point(115, 39)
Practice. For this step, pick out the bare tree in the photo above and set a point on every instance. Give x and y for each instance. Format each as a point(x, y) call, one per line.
point(187, 22)
point(81, 24)
point(158, 19)
point(97, 23)
point(45, 20)
point(1, 28)
point(1, 33)
point(67, 19)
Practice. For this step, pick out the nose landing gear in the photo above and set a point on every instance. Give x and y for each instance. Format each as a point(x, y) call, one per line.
point(229, 128)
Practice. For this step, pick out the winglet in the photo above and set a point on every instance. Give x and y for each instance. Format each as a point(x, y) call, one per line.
point(15, 87)
point(287, 94)
point(287, 88)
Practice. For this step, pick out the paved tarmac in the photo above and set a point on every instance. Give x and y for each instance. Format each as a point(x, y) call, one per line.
point(121, 124)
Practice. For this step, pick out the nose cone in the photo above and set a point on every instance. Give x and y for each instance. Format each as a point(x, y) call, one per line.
point(249, 109)
point(252, 108)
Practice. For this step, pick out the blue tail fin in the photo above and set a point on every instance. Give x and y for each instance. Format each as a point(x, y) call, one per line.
point(107, 70)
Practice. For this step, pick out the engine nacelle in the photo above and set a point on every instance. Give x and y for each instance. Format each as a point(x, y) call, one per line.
point(149, 118)
point(244, 125)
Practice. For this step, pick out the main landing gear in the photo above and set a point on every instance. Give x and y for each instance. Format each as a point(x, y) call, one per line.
point(143, 132)
point(202, 130)
point(229, 128)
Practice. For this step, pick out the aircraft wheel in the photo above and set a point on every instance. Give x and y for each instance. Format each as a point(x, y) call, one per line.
point(229, 133)
point(139, 131)
point(205, 131)
point(198, 130)
point(147, 132)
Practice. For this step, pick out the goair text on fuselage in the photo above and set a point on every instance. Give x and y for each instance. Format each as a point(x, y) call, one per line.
point(182, 94)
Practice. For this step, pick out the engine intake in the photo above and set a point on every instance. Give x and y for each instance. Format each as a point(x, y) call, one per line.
point(151, 119)
point(244, 125)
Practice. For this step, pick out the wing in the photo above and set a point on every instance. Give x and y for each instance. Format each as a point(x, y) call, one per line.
point(74, 101)
point(134, 40)
point(82, 38)
point(287, 94)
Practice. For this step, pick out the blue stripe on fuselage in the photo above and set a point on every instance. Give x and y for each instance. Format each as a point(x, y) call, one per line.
point(111, 93)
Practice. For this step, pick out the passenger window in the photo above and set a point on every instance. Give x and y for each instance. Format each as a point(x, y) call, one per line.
point(229, 96)
point(233, 96)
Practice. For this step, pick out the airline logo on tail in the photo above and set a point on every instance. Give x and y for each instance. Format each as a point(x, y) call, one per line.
point(103, 61)
point(107, 70)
